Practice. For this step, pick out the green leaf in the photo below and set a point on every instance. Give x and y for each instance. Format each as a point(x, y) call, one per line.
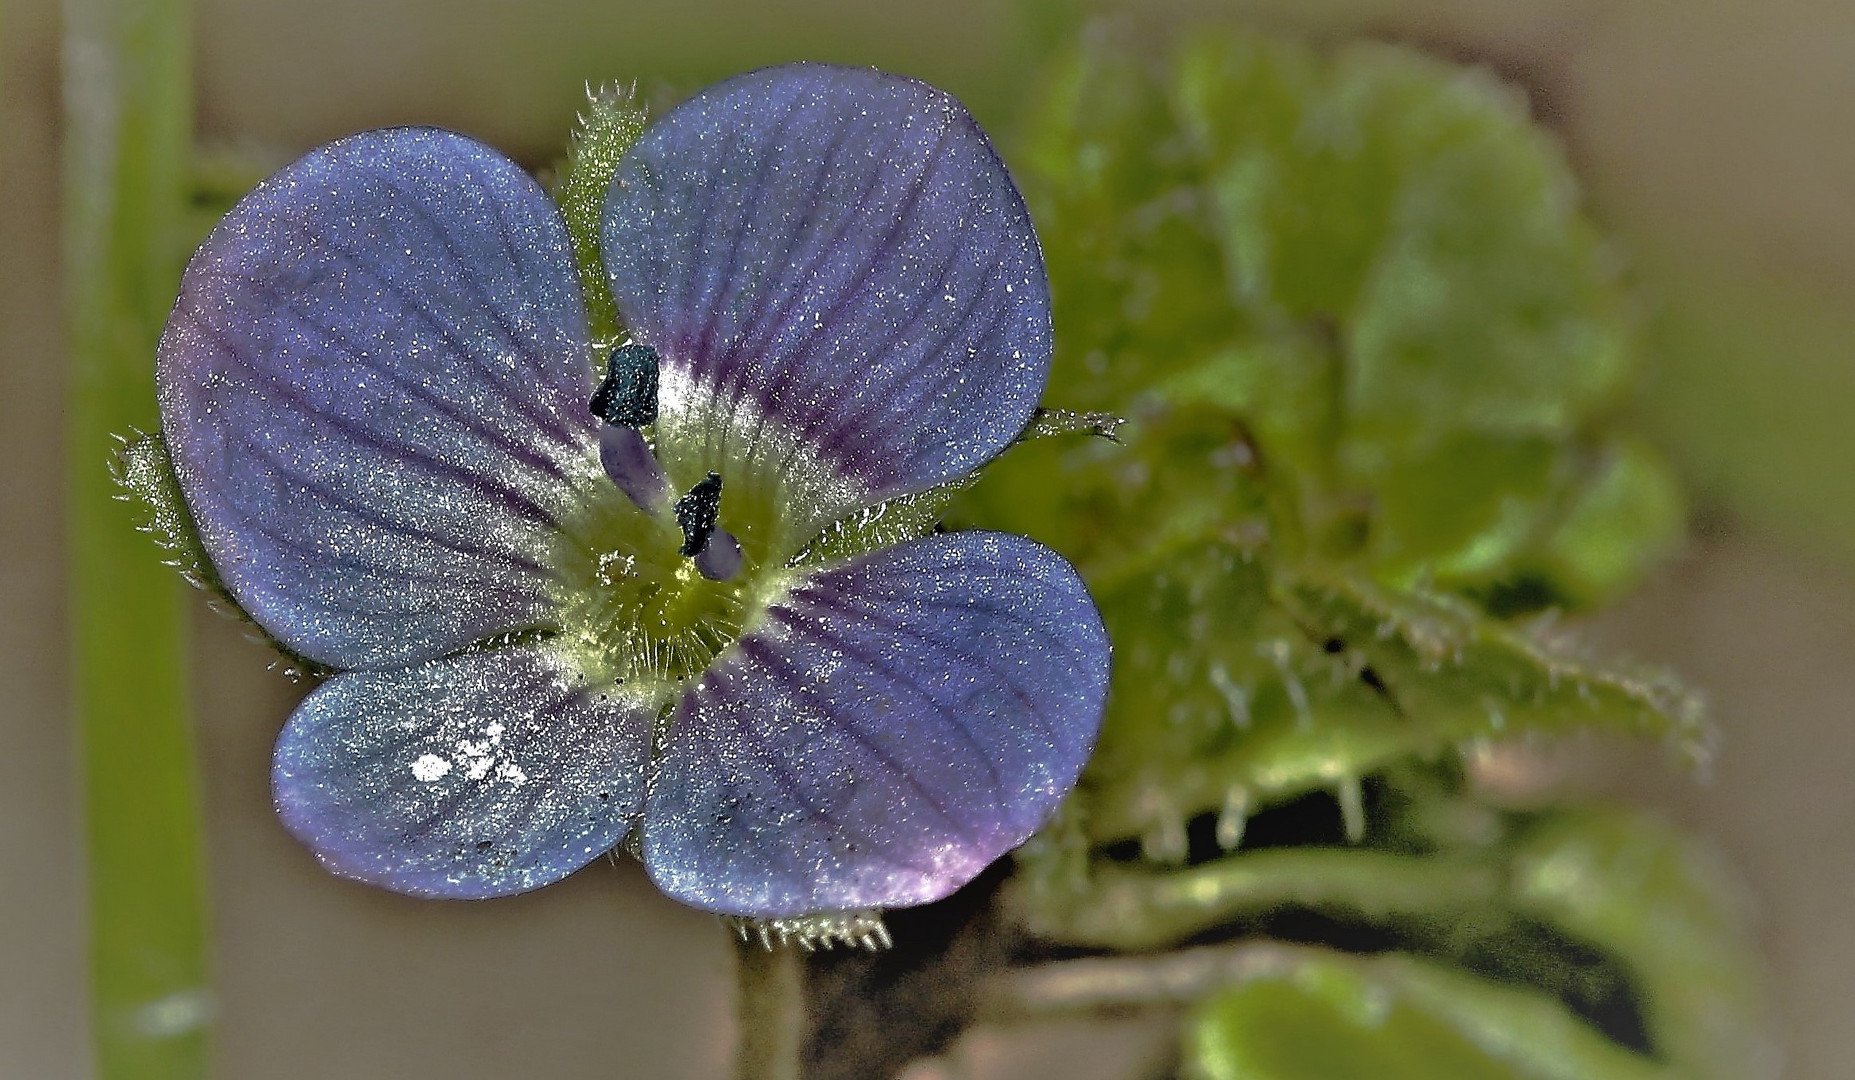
point(1134, 266)
point(1238, 684)
point(1412, 206)
point(1335, 1018)
point(1628, 515)
point(1458, 675)
point(1461, 511)
point(1374, 269)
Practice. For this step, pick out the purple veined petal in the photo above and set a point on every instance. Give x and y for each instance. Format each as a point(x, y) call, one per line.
point(482, 774)
point(841, 280)
point(374, 385)
point(892, 726)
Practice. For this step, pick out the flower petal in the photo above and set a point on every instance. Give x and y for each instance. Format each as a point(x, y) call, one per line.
point(375, 387)
point(476, 775)
point(892, 725)
point(840, 277)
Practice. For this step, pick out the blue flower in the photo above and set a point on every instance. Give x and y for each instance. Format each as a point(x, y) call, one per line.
point(576, 599)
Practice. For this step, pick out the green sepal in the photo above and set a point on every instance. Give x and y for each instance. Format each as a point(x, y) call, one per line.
point(1046, 423)
point(612, 122)
point(886, 524)
point(145, 474)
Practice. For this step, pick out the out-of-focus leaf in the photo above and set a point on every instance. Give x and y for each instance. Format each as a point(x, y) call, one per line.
point(1628, 515)
point(1661, 904)
point(1393, 1018)
point(1370, 351)
point(1461, 675)
point(1414, 207)
point(1374, 268)
point(1135, 269)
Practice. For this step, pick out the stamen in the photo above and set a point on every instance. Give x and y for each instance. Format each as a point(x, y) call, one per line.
point(696, 513)
point(627, 400)
point(628, 395)
point(629, 463)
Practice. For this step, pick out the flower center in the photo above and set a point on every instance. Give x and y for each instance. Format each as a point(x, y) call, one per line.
point(654, 589)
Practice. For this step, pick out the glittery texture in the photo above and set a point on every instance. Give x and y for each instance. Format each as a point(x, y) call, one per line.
point(374, 385)
point(472, 776)
point(379, 393)
point(840, 278)
point(895, 724)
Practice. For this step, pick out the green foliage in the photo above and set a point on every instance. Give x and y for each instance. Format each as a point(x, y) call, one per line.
point(1371, 354)
point(1374, 266)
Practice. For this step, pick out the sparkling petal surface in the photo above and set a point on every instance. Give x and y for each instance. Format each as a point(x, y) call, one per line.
point(477, 775)
point(841, 279)
point(892, 725)
point(374, 386)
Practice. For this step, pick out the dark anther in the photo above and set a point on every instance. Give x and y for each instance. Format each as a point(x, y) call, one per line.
point(628, 396)
point(696, 513)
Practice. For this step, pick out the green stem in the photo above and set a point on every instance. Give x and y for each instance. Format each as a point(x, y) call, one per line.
point(1107, 983)
point(127, 108)
point(1140, 909)
point(769, 1010)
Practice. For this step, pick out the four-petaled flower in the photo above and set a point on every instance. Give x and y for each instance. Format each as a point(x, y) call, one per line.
point(379, 394)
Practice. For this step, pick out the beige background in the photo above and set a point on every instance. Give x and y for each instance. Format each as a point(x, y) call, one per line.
point(1715, 136)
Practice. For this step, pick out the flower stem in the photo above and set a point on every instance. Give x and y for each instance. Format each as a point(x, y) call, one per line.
point(769, 1010)
point(1107, 983)
point(128, 109)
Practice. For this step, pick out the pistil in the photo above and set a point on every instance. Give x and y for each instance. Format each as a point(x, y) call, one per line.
point(627, 400)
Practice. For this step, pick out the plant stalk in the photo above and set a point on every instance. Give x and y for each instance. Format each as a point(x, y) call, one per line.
point(127, 101)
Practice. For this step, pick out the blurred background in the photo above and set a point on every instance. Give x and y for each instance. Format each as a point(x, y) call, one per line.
point(1712, 137)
